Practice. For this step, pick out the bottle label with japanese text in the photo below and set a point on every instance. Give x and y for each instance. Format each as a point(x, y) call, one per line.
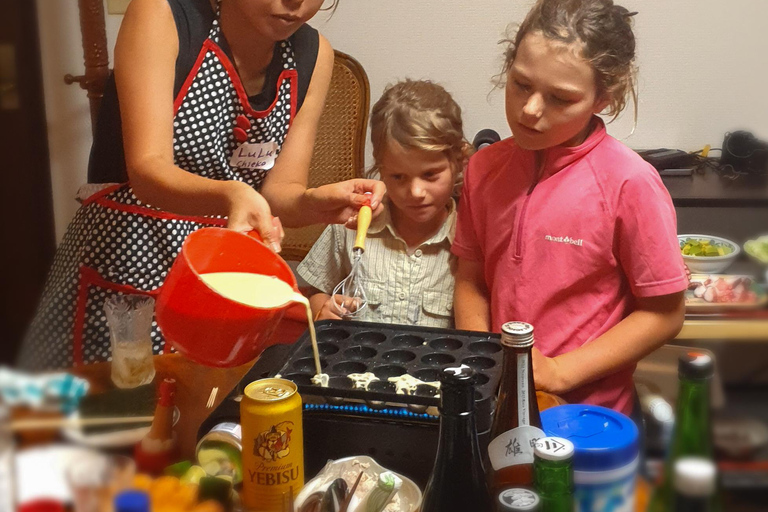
point(514, 447)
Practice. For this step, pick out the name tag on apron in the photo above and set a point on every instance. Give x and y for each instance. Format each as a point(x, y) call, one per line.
point(255, 155)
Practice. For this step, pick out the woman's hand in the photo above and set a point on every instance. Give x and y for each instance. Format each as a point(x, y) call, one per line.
point(338, 203)
point(547, 373)
point(248, 210)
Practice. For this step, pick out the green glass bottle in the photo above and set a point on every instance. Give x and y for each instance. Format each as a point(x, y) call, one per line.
point(693, 428)
point(553, 473)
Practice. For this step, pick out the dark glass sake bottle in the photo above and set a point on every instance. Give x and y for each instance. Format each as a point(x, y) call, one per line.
point(457, 483)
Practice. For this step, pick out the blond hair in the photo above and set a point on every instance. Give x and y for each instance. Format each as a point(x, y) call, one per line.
point(419, 114)
point(602, 29)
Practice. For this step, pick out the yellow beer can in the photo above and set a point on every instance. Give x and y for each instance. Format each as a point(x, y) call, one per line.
point(273, 444)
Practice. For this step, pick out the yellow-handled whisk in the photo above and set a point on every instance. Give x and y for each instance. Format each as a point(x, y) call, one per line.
point(349, 296)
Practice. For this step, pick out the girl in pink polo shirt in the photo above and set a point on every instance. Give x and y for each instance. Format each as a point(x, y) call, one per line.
point(564, 227)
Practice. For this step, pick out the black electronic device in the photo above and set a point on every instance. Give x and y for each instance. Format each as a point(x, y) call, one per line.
point(399, 431)
point(664, 158)
point(744, 153)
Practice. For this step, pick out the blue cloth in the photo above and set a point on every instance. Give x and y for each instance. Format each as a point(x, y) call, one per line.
point(62, 390)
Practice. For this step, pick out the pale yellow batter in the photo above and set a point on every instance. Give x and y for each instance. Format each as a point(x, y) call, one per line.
point(262, 291)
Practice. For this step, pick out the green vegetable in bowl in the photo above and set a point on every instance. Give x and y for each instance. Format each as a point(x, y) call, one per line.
point(707, 248)
point(758, 249)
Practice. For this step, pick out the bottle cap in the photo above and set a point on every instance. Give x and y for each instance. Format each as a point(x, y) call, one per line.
point(132, 501)
point(659, 409)
point(695, 477)
point(42, 505)
point(517, 334)
point(457, 390)
point(696, 365)
point(603, 439)
point(554, 449)
point(518, 499)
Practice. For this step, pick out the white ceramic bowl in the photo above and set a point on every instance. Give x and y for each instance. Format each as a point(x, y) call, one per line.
point(709, 264)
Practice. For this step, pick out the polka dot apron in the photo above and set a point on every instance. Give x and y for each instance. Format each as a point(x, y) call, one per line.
point(117, 245)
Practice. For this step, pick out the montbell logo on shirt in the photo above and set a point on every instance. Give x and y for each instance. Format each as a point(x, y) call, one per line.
point(564, 240)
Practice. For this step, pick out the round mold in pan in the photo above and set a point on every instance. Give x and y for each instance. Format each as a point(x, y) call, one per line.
point(390, 370)
point(438, 359)
point(484, 347)
point(338, 382)
point(479, 363)
point(325, 349)
point(332, 335)
point(360, 353)
point(408, 341)
point(398, 356)
point(445, 344)
point(369, 337)
point(345, 368)
point(307, 365)
point(300, 379)
point(427, 375)
point(380, 386)
point(481, 379)
point(423, 390)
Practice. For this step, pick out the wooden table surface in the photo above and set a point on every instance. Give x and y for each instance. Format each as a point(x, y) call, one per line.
point(194, 384)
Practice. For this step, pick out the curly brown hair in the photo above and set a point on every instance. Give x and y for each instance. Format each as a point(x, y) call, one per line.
point(420, 114)
point(602, 30)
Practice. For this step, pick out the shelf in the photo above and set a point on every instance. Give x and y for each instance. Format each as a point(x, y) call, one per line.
point(755, 330)
point(709, 189)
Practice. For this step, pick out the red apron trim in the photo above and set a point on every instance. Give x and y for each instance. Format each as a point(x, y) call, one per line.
point(209, 45)
point(190, 78)
point(101, 193)
point(158, 214)
point(90, 277)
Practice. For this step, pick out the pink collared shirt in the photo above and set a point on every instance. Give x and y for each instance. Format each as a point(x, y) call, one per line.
point(569, 252)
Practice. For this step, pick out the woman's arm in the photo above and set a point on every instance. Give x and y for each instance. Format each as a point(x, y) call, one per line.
point(655, 321)
point(285, 187)
point(471, 302)
point(145, 59)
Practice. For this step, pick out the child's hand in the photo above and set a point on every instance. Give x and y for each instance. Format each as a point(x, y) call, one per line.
point(331, 311)
point(328, 312)
point(547, 373)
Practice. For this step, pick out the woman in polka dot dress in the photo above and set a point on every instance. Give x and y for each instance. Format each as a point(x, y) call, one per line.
point(219, 102)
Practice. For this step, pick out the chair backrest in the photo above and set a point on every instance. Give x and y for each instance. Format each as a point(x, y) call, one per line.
point(339, 152)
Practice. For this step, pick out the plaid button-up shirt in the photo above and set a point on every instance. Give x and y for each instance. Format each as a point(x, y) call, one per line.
point(414, 288)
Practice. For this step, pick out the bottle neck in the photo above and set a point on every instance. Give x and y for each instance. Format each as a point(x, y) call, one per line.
point(517, 392)
point(458, 445)
point(690, 504)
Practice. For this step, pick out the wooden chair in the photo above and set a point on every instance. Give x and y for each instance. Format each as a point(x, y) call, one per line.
point(340, 144)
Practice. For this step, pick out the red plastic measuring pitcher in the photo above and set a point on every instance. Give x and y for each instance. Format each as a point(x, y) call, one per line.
point(205, 326)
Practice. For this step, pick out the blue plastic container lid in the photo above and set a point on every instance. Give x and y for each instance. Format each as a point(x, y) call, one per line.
point(132, 501)
point(604, 439)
